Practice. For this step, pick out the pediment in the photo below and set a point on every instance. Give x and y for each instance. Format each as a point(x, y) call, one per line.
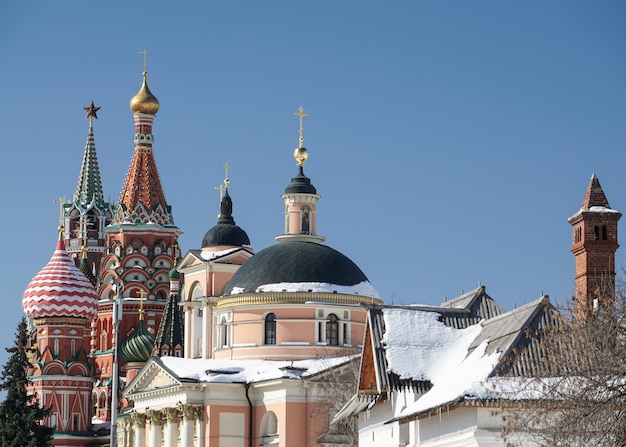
point(153, 376)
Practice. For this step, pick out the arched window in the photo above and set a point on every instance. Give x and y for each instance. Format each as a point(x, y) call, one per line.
point(270, 329)
point(223, 332)
point(306, 220)
point(268, 430)
point(332, 330)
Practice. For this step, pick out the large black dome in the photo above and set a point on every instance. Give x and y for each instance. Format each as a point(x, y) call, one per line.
point(225, 234)
point(293, 262)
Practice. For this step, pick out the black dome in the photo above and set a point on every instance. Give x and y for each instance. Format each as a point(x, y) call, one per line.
point(225, 234)
point(300, 184)
point(295, 262)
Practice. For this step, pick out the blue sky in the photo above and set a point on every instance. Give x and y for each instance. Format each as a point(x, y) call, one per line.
point(449, 140)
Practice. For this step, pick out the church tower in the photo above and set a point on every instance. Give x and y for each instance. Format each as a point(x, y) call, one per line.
point(88, 213)
point(60, 302)
point(594, 243)
point(141, 249)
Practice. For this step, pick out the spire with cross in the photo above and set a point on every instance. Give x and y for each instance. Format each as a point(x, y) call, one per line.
point(301, 114)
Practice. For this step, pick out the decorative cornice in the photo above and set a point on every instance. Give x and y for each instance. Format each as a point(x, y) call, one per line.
point(273, 298)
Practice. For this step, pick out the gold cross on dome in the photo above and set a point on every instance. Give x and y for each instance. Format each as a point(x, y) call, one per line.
point(221, 189)
point(142, 293)
point(61, 201)
point(301, 114)
point(145, 60)
point(226, 180)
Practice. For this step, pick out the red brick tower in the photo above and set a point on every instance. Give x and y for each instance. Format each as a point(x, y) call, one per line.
point(594, 243)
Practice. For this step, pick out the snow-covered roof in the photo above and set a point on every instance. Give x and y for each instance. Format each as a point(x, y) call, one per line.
point(450, 358)
point(432, 351)
point(363, 288)
point(248, 371)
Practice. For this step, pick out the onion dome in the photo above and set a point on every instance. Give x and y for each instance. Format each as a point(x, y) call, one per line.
point(137, 347)
point(86, 269)
point(60, 289)
point(300, 266)
point(144, 101)
point(174, 273)
point(225, 232)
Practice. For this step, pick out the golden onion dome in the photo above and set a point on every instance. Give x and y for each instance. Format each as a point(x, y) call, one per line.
point(144, 101)
point(301, 155)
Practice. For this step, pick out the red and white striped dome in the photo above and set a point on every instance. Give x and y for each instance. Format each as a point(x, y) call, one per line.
point(60, 289)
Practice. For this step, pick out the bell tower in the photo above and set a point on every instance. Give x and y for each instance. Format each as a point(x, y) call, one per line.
point(300, 199)
point(594, 243)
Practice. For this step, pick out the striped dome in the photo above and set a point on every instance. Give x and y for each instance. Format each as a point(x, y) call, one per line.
point(60, 289)
point(138, 346)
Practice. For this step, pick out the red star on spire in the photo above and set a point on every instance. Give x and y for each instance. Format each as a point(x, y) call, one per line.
point(91, 111)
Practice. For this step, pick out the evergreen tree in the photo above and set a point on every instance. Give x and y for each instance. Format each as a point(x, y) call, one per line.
point(20, 414)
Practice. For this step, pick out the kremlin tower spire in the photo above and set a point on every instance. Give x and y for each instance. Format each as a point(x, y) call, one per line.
point(300, 199)
point(87, 215)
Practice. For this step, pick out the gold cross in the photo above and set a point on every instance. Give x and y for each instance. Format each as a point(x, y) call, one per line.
point(301, 114)
point(221, 189)
point(61, 201)
point(145, 60)
point(84, 223)
point(142, 293)
point(226, 181)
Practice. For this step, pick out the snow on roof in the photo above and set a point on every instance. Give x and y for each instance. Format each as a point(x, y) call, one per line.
point(432, 351)
point(364, 288)
point(208, 255)
point(248, 371)
point(601, 209)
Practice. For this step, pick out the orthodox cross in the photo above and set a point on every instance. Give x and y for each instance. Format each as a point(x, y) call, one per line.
point(84, 223)
point(142, 293)
point(301, 114)
point(91, 111)
point(145, 60)
point(61, 201)
point(221, 189)
point(226, 181)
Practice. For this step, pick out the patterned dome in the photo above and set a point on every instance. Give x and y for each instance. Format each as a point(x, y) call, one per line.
point(137, 347)
point(60, 289)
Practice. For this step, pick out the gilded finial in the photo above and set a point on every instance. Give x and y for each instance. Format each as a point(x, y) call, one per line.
point(301, 154)
point(144, 101)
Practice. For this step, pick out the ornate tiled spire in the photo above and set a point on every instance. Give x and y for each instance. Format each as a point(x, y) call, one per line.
point(142, 199)
point(170, 338)
point(89, 182)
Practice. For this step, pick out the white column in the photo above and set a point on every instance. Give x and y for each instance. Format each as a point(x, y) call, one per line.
point(189, 423)
point(189, 311)
point(139, 421)
point(200, 427)
point(171, 428)
point(206, 331)
point(156, 429)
